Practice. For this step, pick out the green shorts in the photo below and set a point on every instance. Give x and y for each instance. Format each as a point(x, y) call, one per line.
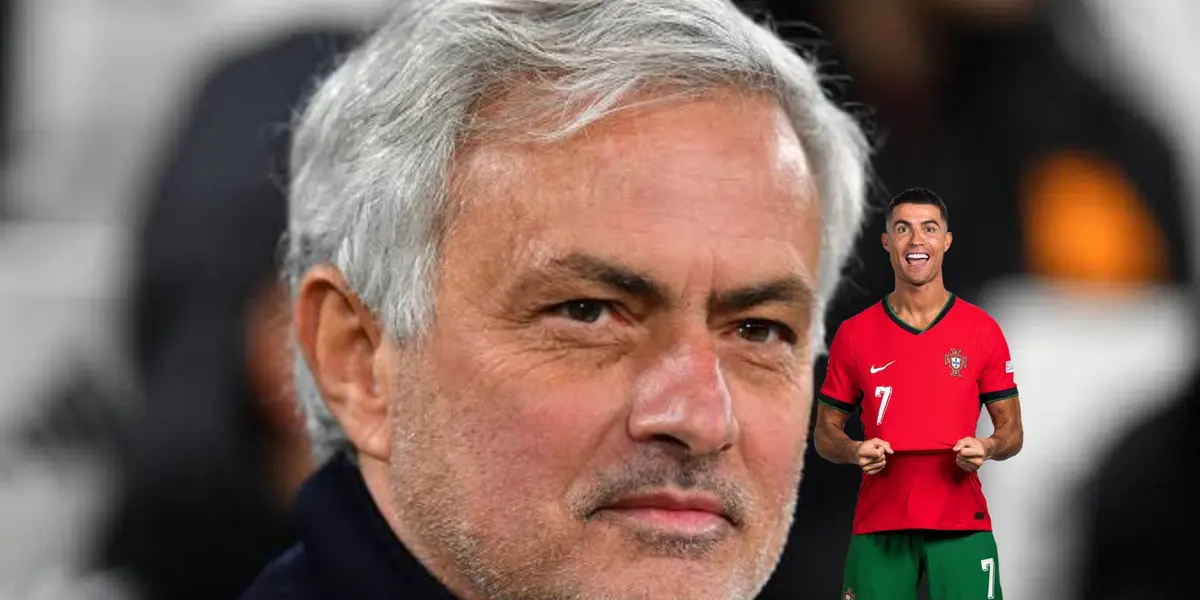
point(958, 565)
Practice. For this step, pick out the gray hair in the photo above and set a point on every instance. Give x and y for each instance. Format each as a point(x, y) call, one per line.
point(372, 152)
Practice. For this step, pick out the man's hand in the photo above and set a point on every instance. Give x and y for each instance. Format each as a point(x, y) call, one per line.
point(872, 455)
point(971, 453)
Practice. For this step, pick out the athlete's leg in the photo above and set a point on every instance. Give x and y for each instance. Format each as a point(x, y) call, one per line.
point(962, 566)
point(882, 566)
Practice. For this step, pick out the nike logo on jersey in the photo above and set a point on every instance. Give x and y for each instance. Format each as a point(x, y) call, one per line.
point(874, 370)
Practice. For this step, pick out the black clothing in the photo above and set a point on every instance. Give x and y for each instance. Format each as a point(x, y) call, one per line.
point(1140, 533)
point(346, 549)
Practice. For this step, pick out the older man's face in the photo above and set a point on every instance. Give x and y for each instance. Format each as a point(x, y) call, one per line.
point(613, 400)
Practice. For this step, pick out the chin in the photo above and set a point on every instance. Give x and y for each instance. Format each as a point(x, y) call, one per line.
point(663, 583)
point(725, 574)
point(922, 281)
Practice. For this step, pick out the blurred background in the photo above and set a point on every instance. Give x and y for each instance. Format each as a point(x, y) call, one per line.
point(148, 446)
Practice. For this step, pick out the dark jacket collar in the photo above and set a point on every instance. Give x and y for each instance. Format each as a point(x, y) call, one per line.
point(352, 550)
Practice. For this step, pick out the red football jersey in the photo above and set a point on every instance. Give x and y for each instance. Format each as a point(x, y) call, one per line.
point(921, 391)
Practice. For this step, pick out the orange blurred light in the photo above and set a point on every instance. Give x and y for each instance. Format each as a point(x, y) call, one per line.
point(1085, 223)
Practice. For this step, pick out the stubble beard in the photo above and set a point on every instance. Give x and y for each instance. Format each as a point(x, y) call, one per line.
point(426, 489)
point(487, 565)
point(501, 569)
point(427, 500)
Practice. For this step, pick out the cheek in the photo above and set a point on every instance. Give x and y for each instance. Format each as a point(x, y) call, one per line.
point(520, 425)
point(774, 430)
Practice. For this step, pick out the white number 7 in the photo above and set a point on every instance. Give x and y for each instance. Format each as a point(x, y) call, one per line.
point(989, 565)
point(884, 392)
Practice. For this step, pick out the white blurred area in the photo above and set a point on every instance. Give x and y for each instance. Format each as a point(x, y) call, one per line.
point(1088, 371)
point(99, 85)
point(101, 82)
point(1092, 365)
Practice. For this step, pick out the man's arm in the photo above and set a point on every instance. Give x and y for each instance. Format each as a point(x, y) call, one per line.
point(998, 391)
point(835, 446)
point(1009, 435)
point(830, 436)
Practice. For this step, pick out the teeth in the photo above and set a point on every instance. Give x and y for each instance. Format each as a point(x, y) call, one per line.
point(916, 256)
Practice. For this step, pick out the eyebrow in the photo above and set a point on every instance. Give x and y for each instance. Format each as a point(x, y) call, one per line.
point(608, 274)
point(925, 222)
point(785, 290)
point(790, 289)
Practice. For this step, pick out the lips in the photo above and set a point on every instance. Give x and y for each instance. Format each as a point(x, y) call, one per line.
point(671, 513)
point(916, 258)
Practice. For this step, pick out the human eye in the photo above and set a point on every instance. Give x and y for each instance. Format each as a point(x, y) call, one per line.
point(588, 324)
point(585, 310)
point(762, 331)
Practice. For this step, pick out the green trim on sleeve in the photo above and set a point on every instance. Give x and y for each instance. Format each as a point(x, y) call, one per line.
point(990, 397)
point(835, 404)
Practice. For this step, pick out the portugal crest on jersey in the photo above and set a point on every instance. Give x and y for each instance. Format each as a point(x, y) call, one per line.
point(956, 361)
point(849, 595)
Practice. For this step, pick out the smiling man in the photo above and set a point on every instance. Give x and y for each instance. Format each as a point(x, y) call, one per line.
point(559, 270)
point(920, 364)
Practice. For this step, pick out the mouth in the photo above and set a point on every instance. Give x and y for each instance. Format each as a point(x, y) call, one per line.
point(672, 514)
point(916, 258)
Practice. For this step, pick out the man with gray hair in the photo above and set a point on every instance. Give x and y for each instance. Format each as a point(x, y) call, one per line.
point(559, 270)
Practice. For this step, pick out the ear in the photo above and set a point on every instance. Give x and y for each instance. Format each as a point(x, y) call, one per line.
point(342, 344)
point(887, 244)
point(949, 240)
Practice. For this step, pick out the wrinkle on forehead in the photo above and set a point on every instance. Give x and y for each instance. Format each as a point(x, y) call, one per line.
point(640, 169)
point(639, 121)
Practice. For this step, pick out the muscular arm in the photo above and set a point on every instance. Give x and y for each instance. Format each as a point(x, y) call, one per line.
point(830, 437)
point(1009, 434)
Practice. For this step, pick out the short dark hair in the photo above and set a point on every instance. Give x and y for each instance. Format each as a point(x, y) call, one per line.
point(916, 195)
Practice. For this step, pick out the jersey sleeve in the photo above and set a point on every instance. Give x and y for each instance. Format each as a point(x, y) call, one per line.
point(839, 391)
point(997, 378)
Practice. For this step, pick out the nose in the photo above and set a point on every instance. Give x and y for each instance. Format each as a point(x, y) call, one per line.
point(683, 400)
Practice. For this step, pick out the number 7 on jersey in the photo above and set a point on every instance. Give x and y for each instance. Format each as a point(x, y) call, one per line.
point(884, 392)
